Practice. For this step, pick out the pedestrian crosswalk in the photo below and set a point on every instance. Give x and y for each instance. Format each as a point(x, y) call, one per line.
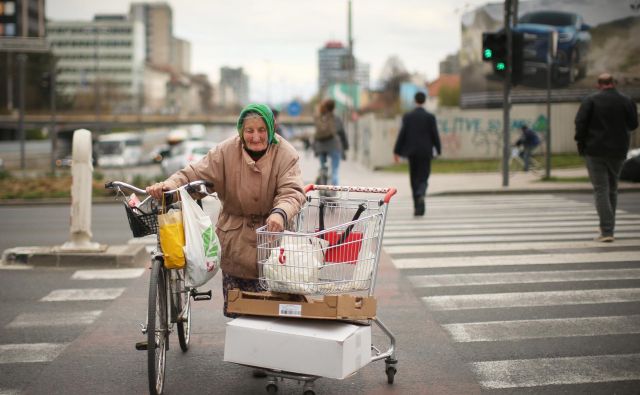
point(510, 275)
point(41, 321)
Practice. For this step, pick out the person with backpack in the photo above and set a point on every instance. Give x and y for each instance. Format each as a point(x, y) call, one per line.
point(330, 139)
point(527, 143)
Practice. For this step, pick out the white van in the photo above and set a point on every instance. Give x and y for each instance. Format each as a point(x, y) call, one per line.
point(119, 149)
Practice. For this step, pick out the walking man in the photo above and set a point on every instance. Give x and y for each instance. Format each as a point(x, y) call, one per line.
point(417, 141)
point(603, 126)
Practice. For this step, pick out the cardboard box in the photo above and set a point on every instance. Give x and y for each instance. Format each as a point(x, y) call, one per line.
point(330, 307)
point(312, 347)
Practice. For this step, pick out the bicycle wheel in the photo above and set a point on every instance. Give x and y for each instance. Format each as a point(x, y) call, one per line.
point(182, 309)
point(157, 328)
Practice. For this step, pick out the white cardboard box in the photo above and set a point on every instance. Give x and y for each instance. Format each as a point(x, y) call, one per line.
point(314, 347)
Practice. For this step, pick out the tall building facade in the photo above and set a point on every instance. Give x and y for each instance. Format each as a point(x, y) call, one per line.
point(234, 86)
point(22, 18)
point(333, 66)
point(157, 18)
point(181, 55)
point(105, 55)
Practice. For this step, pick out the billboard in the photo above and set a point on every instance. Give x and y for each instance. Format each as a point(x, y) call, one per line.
point(589, 37)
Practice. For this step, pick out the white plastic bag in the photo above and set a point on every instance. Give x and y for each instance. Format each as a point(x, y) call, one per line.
point(202, 249)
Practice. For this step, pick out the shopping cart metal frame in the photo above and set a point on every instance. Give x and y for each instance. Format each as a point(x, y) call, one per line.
point(353, 227)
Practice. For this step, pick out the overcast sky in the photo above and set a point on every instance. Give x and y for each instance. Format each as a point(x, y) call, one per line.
point(277, 41)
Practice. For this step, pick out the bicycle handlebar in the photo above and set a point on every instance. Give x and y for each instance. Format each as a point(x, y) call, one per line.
point(190, 186)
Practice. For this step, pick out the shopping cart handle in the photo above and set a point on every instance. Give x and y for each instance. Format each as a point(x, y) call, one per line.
point(389, 192)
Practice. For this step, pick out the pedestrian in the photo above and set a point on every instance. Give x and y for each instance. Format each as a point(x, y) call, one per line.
point(603, 126)
point(527, 143)
point(257, 177)
point(330, 139)
point(418, 140)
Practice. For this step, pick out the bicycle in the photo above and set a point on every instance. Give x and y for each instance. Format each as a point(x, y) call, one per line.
point(516, 163)
point(169, 300)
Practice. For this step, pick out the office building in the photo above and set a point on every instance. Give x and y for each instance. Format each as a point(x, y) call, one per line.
point(333, 67)
point(234, 86)
point(103, 57)
point(181, 55)
point(22, 18)
point(157, 18)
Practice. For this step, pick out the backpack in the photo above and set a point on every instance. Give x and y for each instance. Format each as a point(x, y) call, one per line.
point(325, 127)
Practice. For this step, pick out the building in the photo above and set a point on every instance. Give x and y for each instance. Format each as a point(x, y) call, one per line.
point(157, 18)
point(333, 67)
point(181, 55)
point(22, 18)
point(450, 64)
point(102, 58)
point(234, 87)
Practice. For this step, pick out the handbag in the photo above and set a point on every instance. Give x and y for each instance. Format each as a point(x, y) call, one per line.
point(202, 248)
point(172, 241)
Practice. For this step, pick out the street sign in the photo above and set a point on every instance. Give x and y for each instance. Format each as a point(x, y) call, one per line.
point(294, 108)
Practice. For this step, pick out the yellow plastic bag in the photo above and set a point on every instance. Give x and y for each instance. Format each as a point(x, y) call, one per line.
point(172, 238)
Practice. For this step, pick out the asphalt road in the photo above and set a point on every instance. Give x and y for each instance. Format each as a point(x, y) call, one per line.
point(486, 294)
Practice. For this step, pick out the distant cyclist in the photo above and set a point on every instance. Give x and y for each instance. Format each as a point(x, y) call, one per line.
point(330, 139)
point(527, 143)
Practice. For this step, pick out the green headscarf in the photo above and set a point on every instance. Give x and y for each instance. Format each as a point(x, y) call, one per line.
point(265, 113)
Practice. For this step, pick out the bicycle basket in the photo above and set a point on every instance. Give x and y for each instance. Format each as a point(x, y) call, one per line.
point(141, 223)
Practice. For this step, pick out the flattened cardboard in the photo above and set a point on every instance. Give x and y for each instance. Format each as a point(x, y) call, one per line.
point(330, 307)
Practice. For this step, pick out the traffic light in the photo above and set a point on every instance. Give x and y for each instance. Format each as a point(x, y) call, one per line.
point(494, 50)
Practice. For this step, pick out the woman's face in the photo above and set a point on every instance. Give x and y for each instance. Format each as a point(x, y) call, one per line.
point(254, 133)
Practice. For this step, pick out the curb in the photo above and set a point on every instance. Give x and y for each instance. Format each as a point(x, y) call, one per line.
point(116, 256)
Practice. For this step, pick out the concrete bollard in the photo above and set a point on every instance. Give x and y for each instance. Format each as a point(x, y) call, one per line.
point(81, 173)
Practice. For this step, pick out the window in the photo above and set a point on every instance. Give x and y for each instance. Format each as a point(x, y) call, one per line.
point(9, 8)
point(10, 29)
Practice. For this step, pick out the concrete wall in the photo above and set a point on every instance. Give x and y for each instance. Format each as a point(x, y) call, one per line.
point(468, 134)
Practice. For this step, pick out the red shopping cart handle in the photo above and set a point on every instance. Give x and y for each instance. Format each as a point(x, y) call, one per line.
point(389, 192)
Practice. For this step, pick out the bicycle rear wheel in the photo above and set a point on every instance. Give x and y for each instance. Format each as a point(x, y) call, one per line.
point(157, 328)
point(182, 308)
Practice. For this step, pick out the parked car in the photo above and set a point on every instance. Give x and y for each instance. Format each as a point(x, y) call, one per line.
point(184, 153)
point(574, 39)
point(631, 166)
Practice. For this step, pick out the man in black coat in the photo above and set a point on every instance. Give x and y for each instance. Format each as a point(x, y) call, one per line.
point(417, 141)
point(603, 127)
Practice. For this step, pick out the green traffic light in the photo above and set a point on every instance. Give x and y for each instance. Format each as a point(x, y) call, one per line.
point(488, 53)
point(500, 66)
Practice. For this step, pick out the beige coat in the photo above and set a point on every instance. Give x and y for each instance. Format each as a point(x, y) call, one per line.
point(248, 191)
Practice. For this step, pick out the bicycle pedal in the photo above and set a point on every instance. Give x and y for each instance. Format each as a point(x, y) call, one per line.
point(141, 346)
point(198, 296)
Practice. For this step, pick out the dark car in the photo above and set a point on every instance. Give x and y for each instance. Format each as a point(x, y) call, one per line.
point(574, 39)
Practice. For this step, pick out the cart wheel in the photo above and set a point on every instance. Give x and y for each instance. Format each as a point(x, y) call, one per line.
point(391, 372)
point(272, 388)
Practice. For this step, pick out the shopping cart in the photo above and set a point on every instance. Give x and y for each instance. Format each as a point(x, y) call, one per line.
point(332, 247)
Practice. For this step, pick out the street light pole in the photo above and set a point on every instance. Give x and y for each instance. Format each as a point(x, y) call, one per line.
point(22, 60)
point(506, 98)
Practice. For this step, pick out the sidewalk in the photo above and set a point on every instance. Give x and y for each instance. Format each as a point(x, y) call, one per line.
point(352, 173)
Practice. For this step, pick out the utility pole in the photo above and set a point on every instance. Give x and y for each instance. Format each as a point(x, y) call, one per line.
point(352, 69)
point(506, 97)
point(53, 132)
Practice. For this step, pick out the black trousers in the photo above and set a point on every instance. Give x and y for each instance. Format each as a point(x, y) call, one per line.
point(419, 170)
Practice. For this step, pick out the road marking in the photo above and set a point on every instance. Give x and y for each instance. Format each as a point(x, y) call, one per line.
point(515, 260)
point(61, 295)
point(26, 320)
point(14, 267)
point(499, 230)
point(6, 391)
point(539, 217)
point(483, 227)
point(500, 238)
point(108, 274)
point(556, 371)
point(32, 352)
point(554, 276)
point(495, 331)
point(531, 299)
point(488, 247)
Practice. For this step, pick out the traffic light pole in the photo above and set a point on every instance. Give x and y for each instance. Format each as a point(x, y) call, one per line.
point(506, 97)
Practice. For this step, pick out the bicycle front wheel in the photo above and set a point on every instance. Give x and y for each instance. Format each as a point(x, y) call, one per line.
point(157, 328)
point(182, 307)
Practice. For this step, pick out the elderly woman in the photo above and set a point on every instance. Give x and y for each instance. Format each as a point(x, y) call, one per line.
point(258, 180)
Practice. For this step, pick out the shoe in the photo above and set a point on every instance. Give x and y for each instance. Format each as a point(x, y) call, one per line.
point(604, 239)
point(419, 206)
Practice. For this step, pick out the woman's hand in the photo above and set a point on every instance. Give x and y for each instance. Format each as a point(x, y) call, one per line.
point(275, 223)
point(156, 190)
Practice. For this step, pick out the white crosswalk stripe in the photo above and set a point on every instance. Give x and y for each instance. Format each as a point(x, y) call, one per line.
point(472, 258)
point(61, 295)
point(30, 352)
point(107, 274)
point(27, 320)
